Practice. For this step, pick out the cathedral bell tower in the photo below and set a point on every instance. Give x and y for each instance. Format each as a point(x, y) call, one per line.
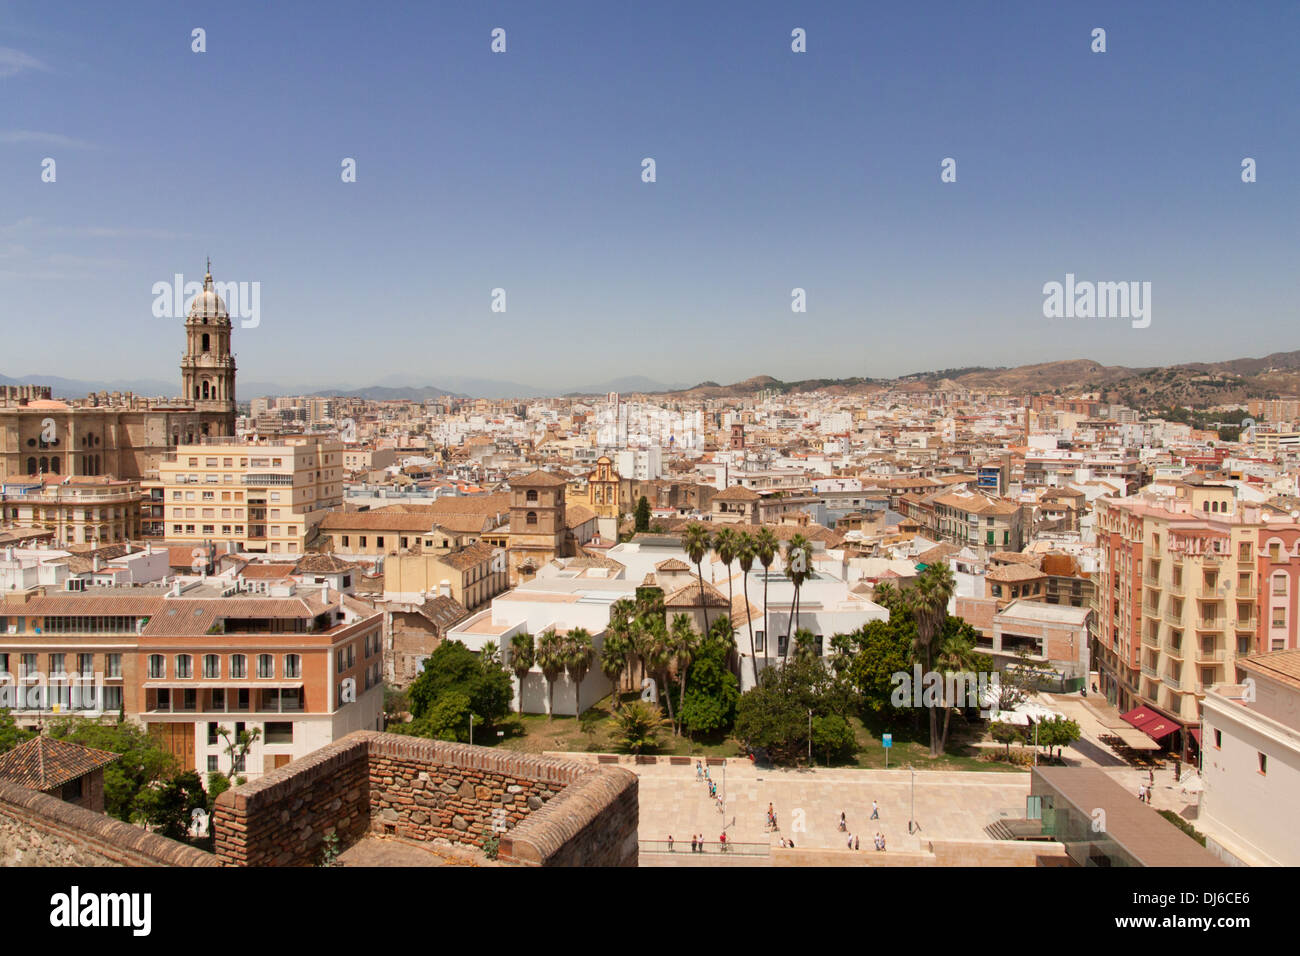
point(208, 368)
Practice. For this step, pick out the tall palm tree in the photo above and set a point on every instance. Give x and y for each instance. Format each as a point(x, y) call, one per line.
point(490, 654)
point(956, 655)
point(521, 661)
point(614, 660)
point(746, 552)
point(928, 601)
point(765, 548)
point(725, 542)
point(886, 595)
point(682, 641)
point(798, 560)
point(622, 615)
point(578, 654)
point(697, 542)
point(656, 652)
point(550, 658)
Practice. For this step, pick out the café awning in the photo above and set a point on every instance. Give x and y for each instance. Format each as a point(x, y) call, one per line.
point(1149, 722)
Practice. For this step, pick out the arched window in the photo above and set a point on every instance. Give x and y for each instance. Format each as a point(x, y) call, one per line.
point(54, 464)
point(184, 665)
point(206, 342)
point(211, 665)
point(238, 665)
point(265, 666)
point(196, 391)
point(532, 518)
point(530, 496)
point(1205, 506)
point(31, 466)
point(205, 388)
point(45, 464)
point(157, 667)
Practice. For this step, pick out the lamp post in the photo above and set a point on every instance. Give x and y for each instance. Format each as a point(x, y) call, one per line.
point(911, 824)
point(810, 738)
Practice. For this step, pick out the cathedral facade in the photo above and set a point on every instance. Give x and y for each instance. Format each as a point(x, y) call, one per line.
point(120, 434)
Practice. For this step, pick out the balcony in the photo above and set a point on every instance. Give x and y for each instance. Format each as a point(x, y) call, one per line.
point(1172, 682)
point(1174, 650)
point(1172, 617)
point(1151, 640)
point(1214, 624)
point(1177, 589)
point(265, 480)
point(1209, 656)
point(1149, 671)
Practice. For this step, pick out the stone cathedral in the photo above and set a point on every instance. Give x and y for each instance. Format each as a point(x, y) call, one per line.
point(118, 433)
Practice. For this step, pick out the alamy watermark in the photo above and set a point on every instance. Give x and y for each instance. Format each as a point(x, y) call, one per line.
point(1098, 300)
point(242, 299)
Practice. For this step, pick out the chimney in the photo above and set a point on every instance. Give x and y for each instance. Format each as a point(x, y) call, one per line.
point(176, 588)
point(444, 588)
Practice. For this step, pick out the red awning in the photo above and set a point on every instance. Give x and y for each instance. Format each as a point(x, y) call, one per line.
point(1196, 735)
point(1149, 722)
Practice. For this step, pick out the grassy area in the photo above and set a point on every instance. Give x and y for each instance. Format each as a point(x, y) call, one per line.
point(592, 733)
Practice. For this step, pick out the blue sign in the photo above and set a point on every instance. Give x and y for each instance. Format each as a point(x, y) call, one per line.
point(887, 740)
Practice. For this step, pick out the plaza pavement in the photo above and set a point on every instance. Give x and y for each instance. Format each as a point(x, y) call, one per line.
point(949, 804)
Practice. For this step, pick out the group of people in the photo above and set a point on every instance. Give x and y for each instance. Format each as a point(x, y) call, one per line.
point(697, 842)
point(854, 842)
point(1144, 789)
point(702, 773)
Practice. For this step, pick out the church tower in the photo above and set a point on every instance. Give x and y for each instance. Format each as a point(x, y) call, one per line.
point(208, 368)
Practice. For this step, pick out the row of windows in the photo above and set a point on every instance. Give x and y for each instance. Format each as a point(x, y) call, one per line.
point(58, 665)
point(211, 666)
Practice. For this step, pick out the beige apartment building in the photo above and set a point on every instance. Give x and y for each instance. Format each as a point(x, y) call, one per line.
point(1191, 582)
point(265, 497)
point(78, 510)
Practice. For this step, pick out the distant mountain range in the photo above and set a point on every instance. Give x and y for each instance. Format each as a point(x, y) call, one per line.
point(1192, 384)
point(391, 390)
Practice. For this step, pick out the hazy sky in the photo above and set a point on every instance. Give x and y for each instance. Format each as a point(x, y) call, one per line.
point(522, 171)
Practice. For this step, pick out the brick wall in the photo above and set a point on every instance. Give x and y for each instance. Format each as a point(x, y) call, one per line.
point(283, 817)
point(556, 812)
point(40, 830)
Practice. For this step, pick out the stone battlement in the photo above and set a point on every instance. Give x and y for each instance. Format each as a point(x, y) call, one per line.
point(547, 811)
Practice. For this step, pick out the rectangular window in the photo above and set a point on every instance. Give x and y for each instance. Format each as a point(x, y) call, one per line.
point(112, 665)
point(279, 732)
point(212, 764)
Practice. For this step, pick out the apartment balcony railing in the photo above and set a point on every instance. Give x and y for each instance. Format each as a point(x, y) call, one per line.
point(1173, 649)
point(1172, 682)
point(1178, 589)
point(1211, 623)
point(266, 480)
point(1210, 656)
point(1172, 617)
point(1151, 640)
point(1150, 671)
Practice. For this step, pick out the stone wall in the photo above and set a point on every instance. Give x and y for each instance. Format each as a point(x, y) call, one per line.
point(283, 817)
point(39, 830)
point(555, 812)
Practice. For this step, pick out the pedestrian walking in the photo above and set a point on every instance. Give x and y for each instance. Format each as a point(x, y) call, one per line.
point(843, 822)
point(699, 770)
point(670, 843)
point(875, 810)
point(857, 844)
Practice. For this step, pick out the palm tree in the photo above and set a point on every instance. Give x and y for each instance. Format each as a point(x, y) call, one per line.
point(622, 619)
point(697, 542)
point(956, 655)
point(682, 641)
point(550, 658)
point(490, 654)
point(746, 552)
point(725, 543)
point(887, 596)
point(765, 548)
point(614, 660)
point(928, 602)
point(578, 654)
point(656, 652)
point(521, 660)
point(637, 726)
point(798, 556)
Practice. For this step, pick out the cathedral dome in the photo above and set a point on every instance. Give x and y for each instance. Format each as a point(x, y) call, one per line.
point(207, 304)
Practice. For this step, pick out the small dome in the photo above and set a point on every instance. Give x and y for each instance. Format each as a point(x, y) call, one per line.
point(207, 304)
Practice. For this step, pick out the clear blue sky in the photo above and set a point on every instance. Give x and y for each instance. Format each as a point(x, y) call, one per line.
point(522, 171)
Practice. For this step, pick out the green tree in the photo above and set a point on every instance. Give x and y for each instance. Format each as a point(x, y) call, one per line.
point(550, 658)
point(142, 759)
point(697, 542)
point(798, 566)
point(833, 736)
point(638, 726)
point(711, 693)
point(776, 714)
point(765, 549)
point(746, 554)
point(453, 667)
point(642, 515)
point(1057, 732)
point(11, 735)
point(613, 662)
point(878, 651)
point(578, 655)
point(682, 642)
point(655, 648)
point(166, 805)
point(521, 660)
point(447, 718)
point(237, 747)
point(1006, 734)
point(957, 655)
point(928, 601)
point(726, 542)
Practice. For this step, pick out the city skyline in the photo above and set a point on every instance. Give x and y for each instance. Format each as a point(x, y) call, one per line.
point(775, 170)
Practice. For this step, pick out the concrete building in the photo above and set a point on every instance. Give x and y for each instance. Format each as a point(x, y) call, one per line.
point(79, 510)
point(1250, 763)
point(262, 497)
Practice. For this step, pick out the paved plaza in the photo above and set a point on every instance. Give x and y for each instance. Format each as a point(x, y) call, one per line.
point(949, 805)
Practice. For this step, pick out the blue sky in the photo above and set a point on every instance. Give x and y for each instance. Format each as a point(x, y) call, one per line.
point(522, 171)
